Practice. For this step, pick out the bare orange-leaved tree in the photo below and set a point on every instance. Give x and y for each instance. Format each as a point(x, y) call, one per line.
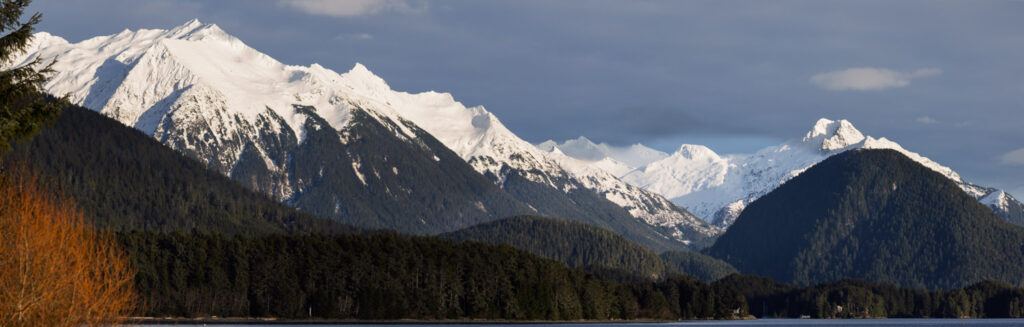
point(55, 269)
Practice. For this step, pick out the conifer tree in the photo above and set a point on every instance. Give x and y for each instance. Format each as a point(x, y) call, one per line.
point(24, 106)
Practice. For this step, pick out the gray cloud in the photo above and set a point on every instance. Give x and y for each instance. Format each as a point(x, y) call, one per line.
point(354, 36)
point(1013, 158)
point(869, 78)
point(927, 120)
point(351, 8)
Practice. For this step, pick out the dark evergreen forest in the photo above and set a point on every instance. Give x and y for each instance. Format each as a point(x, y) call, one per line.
point(391, 276)
point(875, 215)
point(124, 180)
point(699, 265)
point(575, 244)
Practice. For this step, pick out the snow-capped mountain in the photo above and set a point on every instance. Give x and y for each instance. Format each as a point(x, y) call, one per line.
point(582, 148)
point(616, 160)
point(717, 188)
point(343, 145)
point(1005, 205)
point(306, 136)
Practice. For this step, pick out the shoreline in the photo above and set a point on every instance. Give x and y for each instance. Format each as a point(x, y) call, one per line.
point(275, 321)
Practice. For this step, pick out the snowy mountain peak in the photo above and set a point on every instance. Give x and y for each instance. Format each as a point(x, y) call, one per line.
point(195, 30)
point(193, 23)
point(582, 140)
point(360, 72)
point(362, 80)
point(996, 199)
point(830, 135)
point(717, 188)
point(205, 93)
point(44, 38)
point(582, 148)
point(629, 157)
point(547, 146)
point(696, 152)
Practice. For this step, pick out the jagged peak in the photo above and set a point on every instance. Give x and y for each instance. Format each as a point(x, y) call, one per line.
point(188, 26)
point(557, 151)
point(547, 146)
point(830, 135)
point(996, 199)
point(194, 30)
point(582, 140)
point(361, 75)
point(45, 38)
point(641, 147)
point(695, 151)
point(192, 23)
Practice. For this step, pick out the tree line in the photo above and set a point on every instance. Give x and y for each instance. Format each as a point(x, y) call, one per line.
point(384, 275)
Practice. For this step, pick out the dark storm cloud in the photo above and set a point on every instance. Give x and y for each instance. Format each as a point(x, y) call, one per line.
point(658, 72)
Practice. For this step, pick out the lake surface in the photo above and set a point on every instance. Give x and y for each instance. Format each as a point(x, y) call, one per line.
point(743, 323)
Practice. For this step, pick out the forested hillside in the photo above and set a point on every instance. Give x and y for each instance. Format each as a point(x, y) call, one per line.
point(576, 244)
point(875, 215)
point(378, 276)
point(698, 265)
point(391, 276)
point(125, 180)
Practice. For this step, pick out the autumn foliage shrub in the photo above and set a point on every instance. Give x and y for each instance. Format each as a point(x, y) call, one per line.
point(55, 269)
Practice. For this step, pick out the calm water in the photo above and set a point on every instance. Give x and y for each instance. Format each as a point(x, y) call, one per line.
point(744, 323)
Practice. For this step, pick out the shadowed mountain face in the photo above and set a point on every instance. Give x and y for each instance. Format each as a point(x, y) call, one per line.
point(125, 180)
point(367, 177)
point(344, 146)
point(875, 215)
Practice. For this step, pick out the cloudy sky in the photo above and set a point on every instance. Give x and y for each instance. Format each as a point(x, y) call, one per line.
point(945, 79)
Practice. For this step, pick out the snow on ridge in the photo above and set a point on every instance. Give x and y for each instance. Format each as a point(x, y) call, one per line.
point(696, 152)
point(690, 168)
point(883, 143)
point(198, 76)
point(997, 199)
point(652, 208)
point(830, 135)
point(717, 188)
point(582, 148)
point(490, 147)
point(121, 75)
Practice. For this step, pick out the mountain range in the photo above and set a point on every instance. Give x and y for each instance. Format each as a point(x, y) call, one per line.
point(718, 187)
point(878, 215)
point(347, 146)
point(344, 146)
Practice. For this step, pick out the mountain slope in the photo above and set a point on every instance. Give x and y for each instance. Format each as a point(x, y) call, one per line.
point(698, 265)
point(575, 244)
point(372, 276)
point(1005, 205)
point(616, 160)
point(875, 215)
point(526, 172)
point(292, 131)
point(717, 188)
point(125, 180)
